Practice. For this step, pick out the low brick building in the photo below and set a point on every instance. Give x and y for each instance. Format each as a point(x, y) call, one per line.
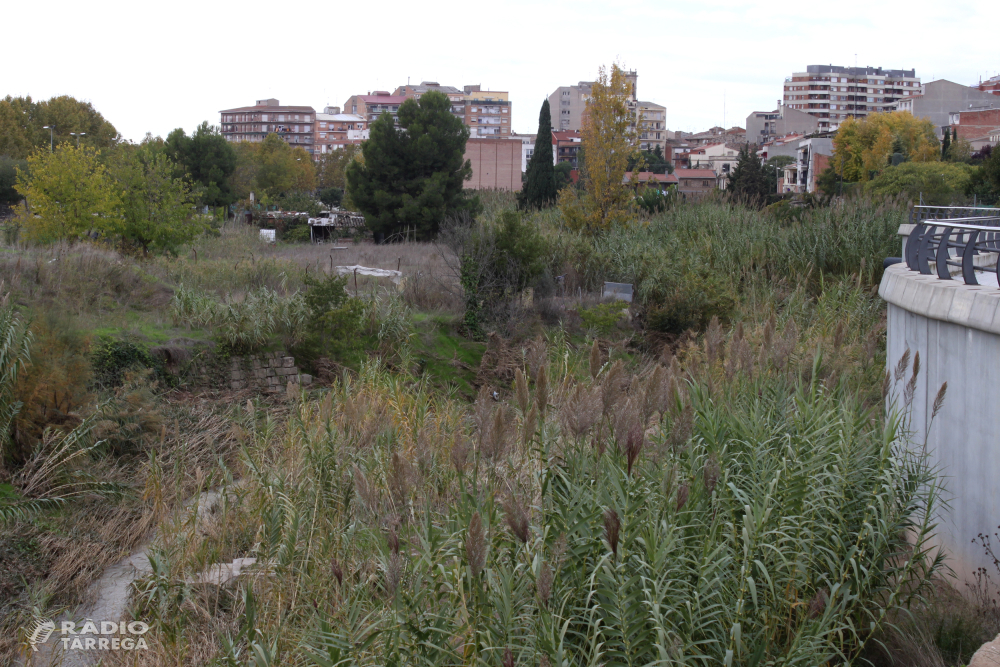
point(976, 123)
point(695, 183)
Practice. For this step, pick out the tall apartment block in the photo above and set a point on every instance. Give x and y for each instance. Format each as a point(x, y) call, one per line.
point(293, 124)
point(832, 93)
point(487, 113)
point(567, 103)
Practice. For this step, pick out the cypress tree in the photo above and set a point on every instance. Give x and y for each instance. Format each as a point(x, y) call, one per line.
point(539, 180)
point(945, 145)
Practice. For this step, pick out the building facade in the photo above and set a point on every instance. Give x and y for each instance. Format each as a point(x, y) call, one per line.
point(976, 125)
point(941, 98)
point(991, 85)
point(495, 164)
point(565, 146)
point(653, 126)
point(294, 124)
point(487, 113)
point(832, 93)
point(334, 130)
point(527, 148)
point(695, 183)
point(373, 105)
point(568, 103)
point(765, 126)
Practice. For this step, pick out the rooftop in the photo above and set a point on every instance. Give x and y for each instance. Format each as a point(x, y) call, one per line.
point(694, 173)
point(269, 108)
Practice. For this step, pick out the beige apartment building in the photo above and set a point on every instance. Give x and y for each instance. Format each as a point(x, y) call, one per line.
point(334, 130)
point(373, 105)
point(487, 113)
point(832, 93)
point(567, 103)
point(294, 124)
point(653, 128)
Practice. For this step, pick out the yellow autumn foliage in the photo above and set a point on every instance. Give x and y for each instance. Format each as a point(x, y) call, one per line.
point(863, 148)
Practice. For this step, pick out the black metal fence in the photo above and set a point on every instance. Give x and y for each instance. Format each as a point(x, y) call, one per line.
point(971, 244)
point(920, 213)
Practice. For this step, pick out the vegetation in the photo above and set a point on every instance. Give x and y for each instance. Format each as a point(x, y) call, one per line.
point(205, 160)
point(610, 141)
point(23, 124)
point(749, 179)
point(539, 189)
point(863, 149)
point(412, 176)
point(939, 183)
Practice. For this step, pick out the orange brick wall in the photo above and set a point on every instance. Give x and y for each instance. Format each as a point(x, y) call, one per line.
point(496, 164)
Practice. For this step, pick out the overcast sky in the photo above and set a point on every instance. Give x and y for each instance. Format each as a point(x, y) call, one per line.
point(152, 67)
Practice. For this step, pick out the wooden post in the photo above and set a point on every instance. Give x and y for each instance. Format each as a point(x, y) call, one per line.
point(398, 263)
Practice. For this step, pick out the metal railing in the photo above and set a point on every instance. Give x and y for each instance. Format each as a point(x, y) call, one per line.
point(954, 242)
point(918, 213)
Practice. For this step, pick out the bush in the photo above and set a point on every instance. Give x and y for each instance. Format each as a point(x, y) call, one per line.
point(332, 319)
point(604, 316)
point(939, 183)
point(114, 358)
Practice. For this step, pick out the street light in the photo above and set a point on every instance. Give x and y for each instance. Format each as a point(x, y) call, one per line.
point(51, 129)
point(77, 135)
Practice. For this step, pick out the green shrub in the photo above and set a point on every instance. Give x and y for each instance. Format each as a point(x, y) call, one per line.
point(332, 319)
point(603, 317)
point(113, 358)
point(297, 234)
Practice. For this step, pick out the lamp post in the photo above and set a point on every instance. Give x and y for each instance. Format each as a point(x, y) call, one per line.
point(77, 135)
point(51, 129)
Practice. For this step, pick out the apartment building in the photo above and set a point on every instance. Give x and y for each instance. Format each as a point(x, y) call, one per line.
point(765, 126)
point(568, 103)
point(294, 124)
point(653, 126)
point(374, 104)
point(977, 125)
point(487, 113)
point(527, 148)
point(565, 146)
point(941, 98)
point(334, 130)
point(720, 158)
point(812, 157)
point(832, 93)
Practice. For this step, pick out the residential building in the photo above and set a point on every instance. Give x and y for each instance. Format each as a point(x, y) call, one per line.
point(663, 180)
point(495, 163)
point(991, 85)
point(653, 128)
point(527, 148)
point(455, 96)
point(695, 183)
point(811, 158)
point(976, 125)
point(720, 158)
point(833, 93)
point(942, 97)
point(765, 126)
point(334, 130)
point(787, 145)
point(678, 150)
point(487, 113)
point(373, 105)
point(568, 103)
point(294, 124)
point(565, 146)
point(716, 135)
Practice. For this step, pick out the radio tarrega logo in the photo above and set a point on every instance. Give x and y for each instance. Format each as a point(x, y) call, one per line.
point(91, 635)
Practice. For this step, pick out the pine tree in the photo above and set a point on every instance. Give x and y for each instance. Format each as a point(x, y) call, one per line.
point(748, 182)
point(539, 180)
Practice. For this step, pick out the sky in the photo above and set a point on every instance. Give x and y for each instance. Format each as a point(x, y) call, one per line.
point(155, 66)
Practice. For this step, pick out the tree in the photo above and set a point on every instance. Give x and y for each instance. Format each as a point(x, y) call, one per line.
point(331, 196)
point(610, 139)
point(280, 169)
point(8, 179)
point(412, 176)
point(70, 192)
point(206, 160)
point(23, 121)
point(748, 181)
point(540, 189)
point(653, 161)
point(332, 168)
point(865, 147)
point(985, 181)
point(155, 211)
point(940, 183)
point(945, 145)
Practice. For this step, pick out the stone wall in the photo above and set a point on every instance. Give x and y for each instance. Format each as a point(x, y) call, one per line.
point(268, 371)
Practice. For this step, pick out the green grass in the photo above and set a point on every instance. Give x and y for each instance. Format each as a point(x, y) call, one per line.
point(448, 359)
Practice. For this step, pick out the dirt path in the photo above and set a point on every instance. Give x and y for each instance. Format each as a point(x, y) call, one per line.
point(110, 595)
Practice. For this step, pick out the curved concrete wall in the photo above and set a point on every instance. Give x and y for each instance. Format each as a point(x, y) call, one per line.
point(956, 329)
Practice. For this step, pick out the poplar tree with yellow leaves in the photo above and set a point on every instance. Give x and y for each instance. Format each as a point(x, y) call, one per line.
point(610, 139)
point(862, 149)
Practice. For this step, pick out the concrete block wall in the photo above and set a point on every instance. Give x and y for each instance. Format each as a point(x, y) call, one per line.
point(268, 372)
point(956, 329)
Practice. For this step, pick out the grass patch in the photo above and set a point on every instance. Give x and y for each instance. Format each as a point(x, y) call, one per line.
point(447, 358)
